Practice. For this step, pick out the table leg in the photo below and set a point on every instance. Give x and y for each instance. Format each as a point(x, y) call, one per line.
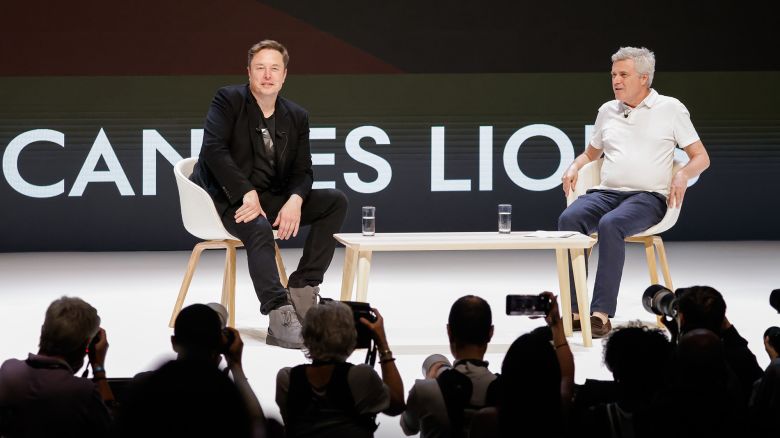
point(562, 257)
point(364, 266)
point(581, 285)
point(348, 275)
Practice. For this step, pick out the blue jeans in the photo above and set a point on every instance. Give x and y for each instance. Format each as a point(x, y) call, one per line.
point(615, 215)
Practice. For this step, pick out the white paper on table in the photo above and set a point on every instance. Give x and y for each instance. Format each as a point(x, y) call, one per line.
point(550, 234)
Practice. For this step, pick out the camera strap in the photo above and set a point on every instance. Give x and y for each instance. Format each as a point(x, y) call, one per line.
point(371, 354)
point(477, 362)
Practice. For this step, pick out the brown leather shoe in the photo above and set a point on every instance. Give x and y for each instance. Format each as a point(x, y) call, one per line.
point(598, 329)
point(576, 325)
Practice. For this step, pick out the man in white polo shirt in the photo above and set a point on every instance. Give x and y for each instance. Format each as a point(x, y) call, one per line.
point(637, 134)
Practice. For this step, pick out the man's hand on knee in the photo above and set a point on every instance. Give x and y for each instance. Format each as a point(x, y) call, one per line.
point(289, 218)
point(250, 209)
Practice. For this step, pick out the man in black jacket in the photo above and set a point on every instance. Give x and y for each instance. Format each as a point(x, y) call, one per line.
point(256, 165)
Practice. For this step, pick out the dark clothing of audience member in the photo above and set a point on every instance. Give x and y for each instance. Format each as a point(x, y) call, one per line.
point(41, 397)
point(704, 397)
point(190, 396)
point(765, 402)
point(185, 398)
point(741, 360)
point(639, 359)
point(345, 407)
point(702, 307)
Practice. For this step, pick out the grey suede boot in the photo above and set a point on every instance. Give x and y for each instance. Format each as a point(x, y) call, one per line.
point(303, 298)
point(284, 329)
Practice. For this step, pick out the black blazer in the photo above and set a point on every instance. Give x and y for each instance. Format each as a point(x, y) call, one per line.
point(230, 136)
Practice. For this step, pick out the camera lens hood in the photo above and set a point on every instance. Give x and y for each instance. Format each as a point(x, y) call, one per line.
point(649, 294)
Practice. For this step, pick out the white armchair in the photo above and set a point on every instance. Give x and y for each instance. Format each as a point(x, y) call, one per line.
point(590, 176)
point(201, 219)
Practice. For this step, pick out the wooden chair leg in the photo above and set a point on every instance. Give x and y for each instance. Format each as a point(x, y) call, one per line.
point(653, 268)
point(229, 284)
point(185, 284)
point(653, 244)
point(651, 264)
point(659, 246)
point(650, 244)
point(228, 298)
point(280, 266)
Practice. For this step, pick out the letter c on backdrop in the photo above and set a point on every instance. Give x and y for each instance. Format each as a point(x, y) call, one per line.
point(11, 163)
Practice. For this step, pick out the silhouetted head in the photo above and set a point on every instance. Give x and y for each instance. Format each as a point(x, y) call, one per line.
point(470, 322)
point(700, 307)
point(530, 385)
point(197, 333)
point(772, 342)
point(701, 359)
point(638, 357)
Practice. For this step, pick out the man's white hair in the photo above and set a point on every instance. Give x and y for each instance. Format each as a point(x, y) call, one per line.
point(644, 60)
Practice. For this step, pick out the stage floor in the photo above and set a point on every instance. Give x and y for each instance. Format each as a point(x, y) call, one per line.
point(134, 293)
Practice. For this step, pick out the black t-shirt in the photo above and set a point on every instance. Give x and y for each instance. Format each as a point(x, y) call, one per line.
point(270, 124)
point(264, 170)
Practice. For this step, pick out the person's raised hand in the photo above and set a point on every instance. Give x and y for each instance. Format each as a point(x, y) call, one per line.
point(377, 329)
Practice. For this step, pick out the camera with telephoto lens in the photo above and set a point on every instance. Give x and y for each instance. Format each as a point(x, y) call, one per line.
point(661, 301)
point(528, 305)
point(360, 310)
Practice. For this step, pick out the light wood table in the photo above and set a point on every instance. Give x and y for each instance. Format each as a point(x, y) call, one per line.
point(359, 249)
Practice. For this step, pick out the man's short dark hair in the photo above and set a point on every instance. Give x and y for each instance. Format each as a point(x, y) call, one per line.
point(701, 307)
point(773, 335)
point(470, 320)
point(198, 327)
point(268, 44)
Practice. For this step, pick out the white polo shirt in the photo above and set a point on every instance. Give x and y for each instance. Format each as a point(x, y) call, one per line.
point(639, 143)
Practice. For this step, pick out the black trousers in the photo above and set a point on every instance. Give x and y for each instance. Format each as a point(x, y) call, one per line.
point(323, 209)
